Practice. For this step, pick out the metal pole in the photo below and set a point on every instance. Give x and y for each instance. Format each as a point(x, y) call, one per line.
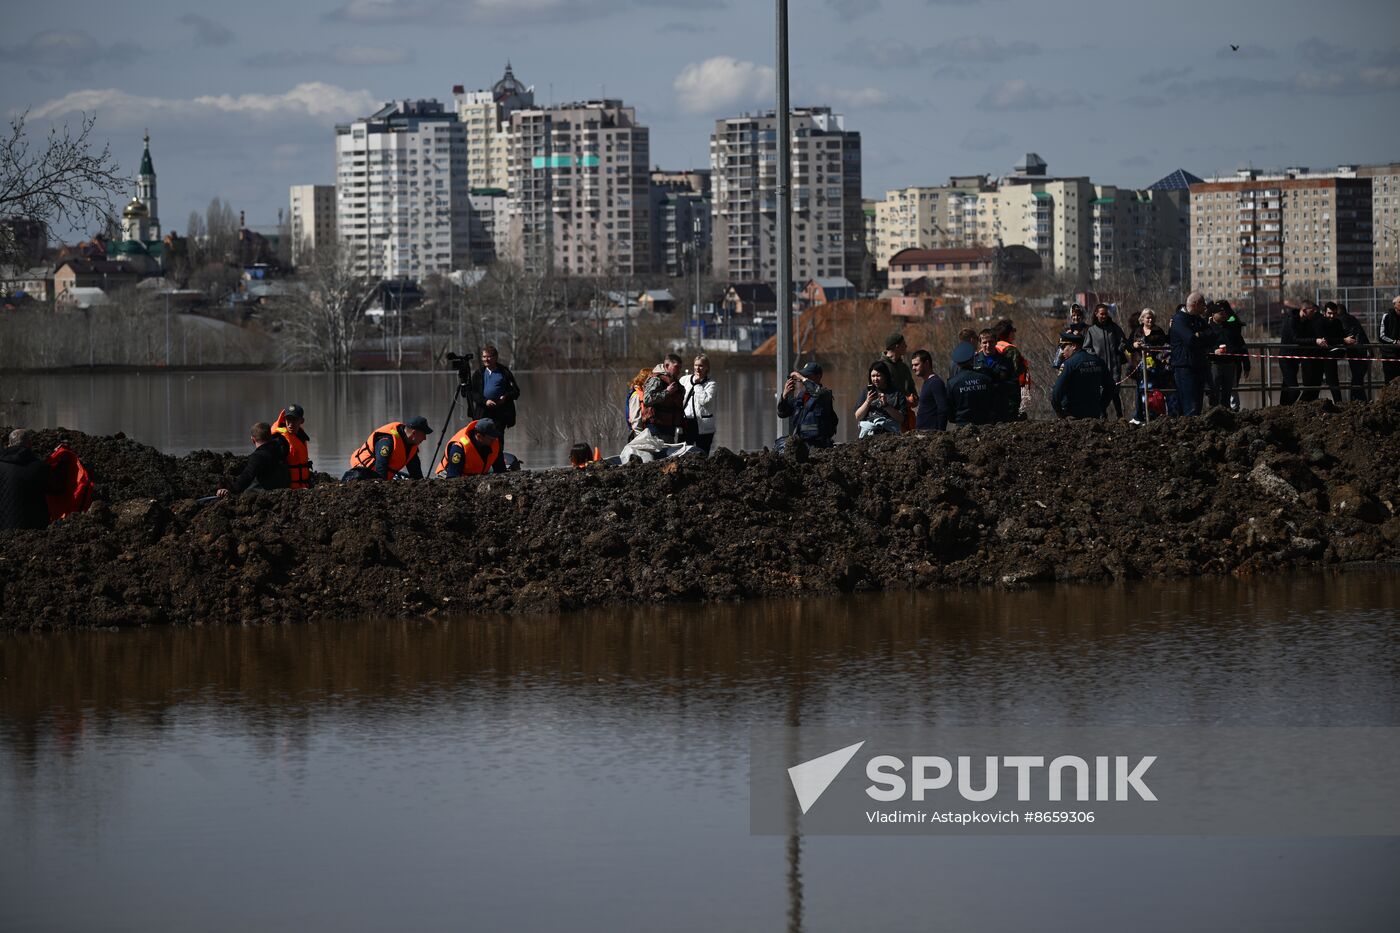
point(784, 205)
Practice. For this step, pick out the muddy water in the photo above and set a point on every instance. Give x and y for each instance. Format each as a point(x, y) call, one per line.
point(180, 412)
point(589, 771)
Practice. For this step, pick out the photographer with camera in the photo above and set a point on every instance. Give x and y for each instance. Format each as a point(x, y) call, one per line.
point(491, 392)
point(809, 408)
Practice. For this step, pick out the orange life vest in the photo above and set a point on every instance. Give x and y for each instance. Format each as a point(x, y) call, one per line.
point(1023, 374)
point(73, 483)
point(298, 458)
point(473, 464)
point(398, 458)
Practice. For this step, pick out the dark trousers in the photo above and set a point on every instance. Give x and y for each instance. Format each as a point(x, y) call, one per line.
point(1190, 389)
point(500, 465)
point(1115, 401)
point(1314, 371)
point(1289, 393)
point(1360, 372)
point(1390, 369)
point(1223, 379)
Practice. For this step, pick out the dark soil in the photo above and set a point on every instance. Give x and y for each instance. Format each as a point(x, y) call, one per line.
point(1007, 505)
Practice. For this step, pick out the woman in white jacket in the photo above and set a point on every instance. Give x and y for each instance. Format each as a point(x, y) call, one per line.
point(699, 408)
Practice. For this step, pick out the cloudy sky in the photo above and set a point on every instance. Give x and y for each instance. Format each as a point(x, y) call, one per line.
point(241, 98)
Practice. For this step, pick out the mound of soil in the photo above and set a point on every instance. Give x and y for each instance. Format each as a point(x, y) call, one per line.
point(1005, 505)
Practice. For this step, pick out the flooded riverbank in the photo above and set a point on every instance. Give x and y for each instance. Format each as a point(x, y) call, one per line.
point(588, 770)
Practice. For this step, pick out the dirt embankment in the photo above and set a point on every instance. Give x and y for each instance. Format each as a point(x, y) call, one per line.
point(1006, 505)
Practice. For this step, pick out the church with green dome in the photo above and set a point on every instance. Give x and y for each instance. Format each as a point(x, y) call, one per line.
point(140, 244)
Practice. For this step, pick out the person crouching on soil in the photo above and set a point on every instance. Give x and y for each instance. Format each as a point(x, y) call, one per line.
point(267, 464)
point(472, 451)
point(882, 410)
point(391, 449)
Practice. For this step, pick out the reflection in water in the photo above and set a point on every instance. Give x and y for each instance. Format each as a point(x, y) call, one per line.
point(474, 762)
point(181, 412)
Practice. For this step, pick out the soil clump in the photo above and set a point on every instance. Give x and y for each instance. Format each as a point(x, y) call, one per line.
point(1003, 505)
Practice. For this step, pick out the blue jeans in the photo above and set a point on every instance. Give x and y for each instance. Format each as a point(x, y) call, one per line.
point(1190, 390)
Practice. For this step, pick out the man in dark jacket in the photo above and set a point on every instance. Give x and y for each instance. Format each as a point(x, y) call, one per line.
point(24, 481)
point(972, 395)
point(1390, 341)
point(1329, 342)
point(1229, 356)
point(1084, 384)
point(1106, 340)
point(492, 393)
point(1189, 357)
point(809, 407)
point(1293, 328)
point(932, 411)
point(267, 464)
point(1357, 346)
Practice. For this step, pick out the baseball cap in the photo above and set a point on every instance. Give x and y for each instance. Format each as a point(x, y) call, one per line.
point(418, 424)
point(1072, 336)
point(963, 353)
point(893, 340)
point(295, 411)
point(488, 427)
point(811, 370)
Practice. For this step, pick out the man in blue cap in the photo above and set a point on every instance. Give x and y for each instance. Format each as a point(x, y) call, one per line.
point(1085, 385)
point(809, 407)
point(973, 397)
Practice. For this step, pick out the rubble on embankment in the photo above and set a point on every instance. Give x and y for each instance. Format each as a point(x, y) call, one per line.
point(1005, 505)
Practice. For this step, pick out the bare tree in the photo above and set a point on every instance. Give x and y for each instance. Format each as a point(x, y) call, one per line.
point(321, 324)
point(67, 181)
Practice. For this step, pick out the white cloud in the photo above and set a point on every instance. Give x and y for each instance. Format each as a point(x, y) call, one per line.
point(312, 99)
point(721, 82)
point(1381, 77)
point(982, 49)
point(1321, 82)
point(867, 98)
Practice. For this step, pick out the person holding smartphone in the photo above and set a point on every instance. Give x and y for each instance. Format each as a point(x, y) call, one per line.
point(883, 408)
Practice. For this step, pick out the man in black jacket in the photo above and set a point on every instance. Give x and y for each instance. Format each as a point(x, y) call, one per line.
point(1390, 341)
point(24, 481)
point(267, 464)
point(1330, 341)
point(1293, 329)
point(492, 393)
point(1357, 346)
point(1229, 356)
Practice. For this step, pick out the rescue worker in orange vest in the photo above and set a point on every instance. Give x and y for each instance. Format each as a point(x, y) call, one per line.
point(1005, 330)
point(288, 426)
point(473, 450)
point(390, 449)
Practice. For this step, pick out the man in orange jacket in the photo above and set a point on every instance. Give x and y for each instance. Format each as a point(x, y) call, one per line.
point(390, 449)
point(473, 450)
point(289, 427)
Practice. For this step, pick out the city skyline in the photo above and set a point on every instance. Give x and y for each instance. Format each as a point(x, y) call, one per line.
point(935, 87)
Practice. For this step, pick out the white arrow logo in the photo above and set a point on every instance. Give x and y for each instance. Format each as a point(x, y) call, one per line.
point(811, 778)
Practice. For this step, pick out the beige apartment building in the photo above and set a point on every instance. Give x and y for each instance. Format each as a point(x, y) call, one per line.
point(1385, 221)
point(1261, 231)
point(926, 217)
point(579, 183)
point(485, 117)
point(828, 220)
point(311, 219)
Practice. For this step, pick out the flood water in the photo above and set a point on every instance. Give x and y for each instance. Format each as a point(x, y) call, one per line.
point(589, 771)
point(181, 412)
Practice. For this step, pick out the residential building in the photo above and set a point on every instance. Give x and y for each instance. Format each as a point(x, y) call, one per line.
point(579, 189)
point(749, 299)
point(1385, 220)
point(402, 207)
point(825, 291)
point(485, 117)
point(490, 224)
point(962, 270)
point(680, 221)
point(83, 274)
point(928, 217)
point(311, 219)
point(1266, 231)
point(828, 221)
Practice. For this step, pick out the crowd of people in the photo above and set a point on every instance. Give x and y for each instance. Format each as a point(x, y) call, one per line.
point(1198, 358)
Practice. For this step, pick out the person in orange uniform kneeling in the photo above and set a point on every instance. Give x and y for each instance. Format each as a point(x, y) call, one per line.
point(390, 449)
point(473, 450)
point(288, 426)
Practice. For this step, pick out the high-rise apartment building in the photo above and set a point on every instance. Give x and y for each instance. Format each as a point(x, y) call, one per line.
point(928, 217)
point(402, 206)
point(311, 219)
point(485, 117)
point(1262, 231)
point(1385, 221)
point(828, 221)
point(579, 189)
point(680, 221)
